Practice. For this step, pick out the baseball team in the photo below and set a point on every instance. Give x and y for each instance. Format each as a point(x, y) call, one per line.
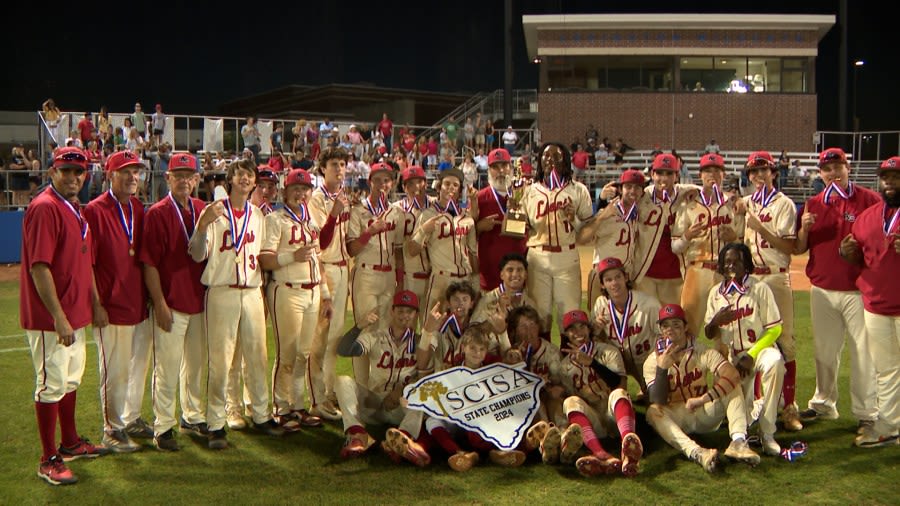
point(184, 290)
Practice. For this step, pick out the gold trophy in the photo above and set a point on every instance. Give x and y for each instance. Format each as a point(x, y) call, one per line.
point(514, 221)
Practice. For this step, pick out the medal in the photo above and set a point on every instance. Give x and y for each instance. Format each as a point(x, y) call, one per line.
point(303, 217)
point(187, 236)
point(889, 226)
point(717, 195)
point(620, 325)
point(131, 252)
point(84, 248)
point(127, 225)
point(763, 197)
point(237, 238)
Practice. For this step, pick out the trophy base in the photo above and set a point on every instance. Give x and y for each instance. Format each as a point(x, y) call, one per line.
point(514, 225)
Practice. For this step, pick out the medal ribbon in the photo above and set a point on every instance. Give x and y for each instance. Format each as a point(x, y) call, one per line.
point(502, 288)
point(717, 195)
point(555, 182)
point(587, 348)
point(330, 195)
point(127, 225)
point(666, 198)
point(76, 212)
point(237, 239)
point(266, 208)
point(452, 208)
point(497, 199)
point(453, 325)
point(529, 351)
point(732, 286)
point(834, 188)
point(407, 338)
point(181, 218)
point(303, 217)
point(763, 196)
point(888, 227)
point(620, 326)
point(627, 216)
point(376, 211)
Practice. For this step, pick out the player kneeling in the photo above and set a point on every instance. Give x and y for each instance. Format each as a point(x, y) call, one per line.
point(392, 365)
point(681, 402)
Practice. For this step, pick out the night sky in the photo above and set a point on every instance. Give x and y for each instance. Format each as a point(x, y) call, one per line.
point(193, 58)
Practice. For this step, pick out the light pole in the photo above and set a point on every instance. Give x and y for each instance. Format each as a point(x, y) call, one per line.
point(856, 66)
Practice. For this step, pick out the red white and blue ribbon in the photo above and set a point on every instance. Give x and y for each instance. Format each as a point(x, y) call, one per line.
point(529, 351)
point(665, 197)
point(266, 208)
point(75, 211)
point(764, 196)
point(127, 224)
point(452, 208)
point(631, 214)
point(555, 182)
point(732, 285)
point(498, 200)
point(407, 338)
point(453, 324)
point(302, 216)
point(834, 188)
point(330, 195)
point(181, 217)
point(620, 325)
point(889, 225)
point(382, 205)
point(795, 451)
point(717, 195)
point(587, 348)
point(502, 288)
point(408, 206)
point(237, 238)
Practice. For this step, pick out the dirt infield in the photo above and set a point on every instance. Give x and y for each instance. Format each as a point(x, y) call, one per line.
point(9, 272)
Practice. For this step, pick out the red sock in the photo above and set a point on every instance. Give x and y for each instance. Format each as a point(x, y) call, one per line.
point(47, 413)
point(445, 440)
point(790, 383)
point(356, 429)
point(477, 442)
point(624, 417)
point(587, 434)
point(67, 427)
point(425, 440)
point(757, 386)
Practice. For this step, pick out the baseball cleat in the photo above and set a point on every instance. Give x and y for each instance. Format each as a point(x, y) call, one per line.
point(269, 427)
point(871, 438)
point(193, 429)
point(770, 446)
point(325, 410)
point(535, 435)
point(708, 458)
point(289, 423)
point(790, 418)
point(632, 451)
point(463, 461)
point(306, 419)
point(592, 465)
point(166, 441)
point(139, 429)
point(55, 472)
point(550, 446)
point(861, 426)
point(811, 415)
point(217, 440)
point(83, 449)
point(119, 442)
point(571, 443)
point(236, 421)
point(395, 457)
point(739, 451)
point(356, 444)
point(507, 458)
point(406, 447)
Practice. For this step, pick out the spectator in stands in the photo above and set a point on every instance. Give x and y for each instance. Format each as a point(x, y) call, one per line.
point(18, 177)
point(784, 167)
point(580, 159)
point(85, 127)
point(699, 86)
point(798, 174)
point(356, 141)
point(127, 127)
point(139, 120)
point(312, 141)
point(52, 115)
point(134, 143)
point(481, 160)
point(363, 169)
point(489, 134)
point(469, 132)
point(818, 184)
point(250, 135)
point(299, 131)
point(103, 123)
point(386, 128)
point(119, 138)
point(277, 161)
point(452, 130)
point(276, 139)
point(712, 147)
point(601, 155)
point(510, 138)
point(160, 164)
point(33, 164)
point(421, 152)
point(620, 148)
point(591, 134)
point(432, 153)
point(351, 174)
point(684, 172)
point(479, 131)
point(158, 120)
point(470, 171)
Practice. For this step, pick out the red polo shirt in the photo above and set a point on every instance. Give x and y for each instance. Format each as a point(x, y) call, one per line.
point(878, 280)
point(491, 245)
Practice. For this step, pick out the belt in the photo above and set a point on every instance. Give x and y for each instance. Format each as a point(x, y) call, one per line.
point(379, 268)
point(305, 286)
point(342, 263)
point(768, 270)
point(452, 274)
point(241, 287)
point(713, 266)
point(421, 275)
point(555, 249)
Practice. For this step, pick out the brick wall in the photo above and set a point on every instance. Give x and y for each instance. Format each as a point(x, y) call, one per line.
point(739, 122)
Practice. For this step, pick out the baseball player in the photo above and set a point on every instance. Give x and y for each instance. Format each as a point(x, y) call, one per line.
point(554, 205)
point(742, 312)
point(329, 206)
point(656, 269)
point(447, 234)
point(613, 231)
point(290, 251)
point(228, 236)
point(875, 245)
point(266, 191)
point(416, 269)
point(682, 403)
point(176, 322)
point(770, 230)
point(626, 316)
point(541, 357)
point(439, 348)
point(392, 365)
point(494, 306)
point(835, 302)
point(594, 377)
point(55, 286)
point(701, 228)
point(117, 221)
point(492, 205)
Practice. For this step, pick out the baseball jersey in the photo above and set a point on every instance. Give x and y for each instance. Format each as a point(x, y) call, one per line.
point(487, 306)
point(583, 380)
point(634, 335)
point(320, 204)
point(653, 252)
point(616, 237)
point(687, 377)
point(492, 245)
point(778, 216)
point(118, 229)
point(445, 349)
point(380, 248)
point(411, 215)
point(546, 217)
point(756, 312)
point(450, 243)
point(392, 363)
point(286, 235)
point(167, 231)
point(834, 221)
point(878, 278)
point(224, 265)
point(544, 361)
point(713, 212)
point(55, 233)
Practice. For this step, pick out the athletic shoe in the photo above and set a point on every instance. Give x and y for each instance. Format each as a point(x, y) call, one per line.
point(550, 445)
point(217, 440)
point(166, 441)
point(811, 415)
point(326, 410)
point(770, 446)
point(861, 426)
point(139, 429)
point(507, 458)
point(632, 450)
point(395, 457)
point(871, 438)
point(739, 451)
point(592, 465)
point(356, 444)
point(535, 435)
point(236, 421)
point(306, 419)
point(119, 442)
point(193, 429)
point(571, 443)
point(289, 422)
point(463, 461)
point(406, 447)
point(708, 458)
point(83, 449)
point(269, 427)
point(790, 418)
point(55, 472)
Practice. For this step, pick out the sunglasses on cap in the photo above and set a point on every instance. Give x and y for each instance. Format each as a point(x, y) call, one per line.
point(832, 156)
point(72, 157)
point(759, 162)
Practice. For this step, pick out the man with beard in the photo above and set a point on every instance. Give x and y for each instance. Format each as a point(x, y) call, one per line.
point(875, 245)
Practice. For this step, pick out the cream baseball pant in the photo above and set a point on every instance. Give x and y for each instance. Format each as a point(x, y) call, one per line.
point(603, 419)
point(179, 357)
point(884, 342)
point(57, 369)
point(294, 312)
point(141, 350)
point(115, 350)
point(554, 277)
point(769, 364)
point(673, 422)
point(360, 406)
point(780, 284)
point(233, 312)
point(323, 361)
point(697, 283)
point(836, 313)
point(666, 291)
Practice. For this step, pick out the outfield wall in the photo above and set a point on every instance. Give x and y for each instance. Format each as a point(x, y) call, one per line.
point(11, 225)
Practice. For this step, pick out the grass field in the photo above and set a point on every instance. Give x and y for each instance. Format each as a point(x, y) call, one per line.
point(305, 467)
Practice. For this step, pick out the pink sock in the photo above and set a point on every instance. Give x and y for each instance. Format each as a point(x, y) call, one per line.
point(47, 413)
point(624, 417)
point(445, 440)
point(790, 382)
point(67, 427)
point(587, 434)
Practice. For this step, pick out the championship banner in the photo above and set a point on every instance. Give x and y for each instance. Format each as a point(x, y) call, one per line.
point(497, 401)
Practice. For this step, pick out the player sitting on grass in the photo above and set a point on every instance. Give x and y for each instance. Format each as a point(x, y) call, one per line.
point(681, 401)
point(594, 377)
point(541, 357)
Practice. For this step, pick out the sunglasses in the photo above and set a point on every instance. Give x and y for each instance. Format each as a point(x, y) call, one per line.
point(758, 162)
point(832, 156)
point(72, 157)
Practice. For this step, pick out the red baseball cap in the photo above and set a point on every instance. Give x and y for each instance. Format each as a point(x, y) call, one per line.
point(712, 160)
point(831, 155)
point(759, 159)
point(609, 263)
point(632, 176)
point(406, 298)
point(298, 176)
point(265, 173)
point(671, 311)
point(498, 155)
point(891, 164)
point(573, 317)
point(121, 159)
point(70, 158)
point(412, 172)
point(182, 161)
point(665, 161)
point(379, 167)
